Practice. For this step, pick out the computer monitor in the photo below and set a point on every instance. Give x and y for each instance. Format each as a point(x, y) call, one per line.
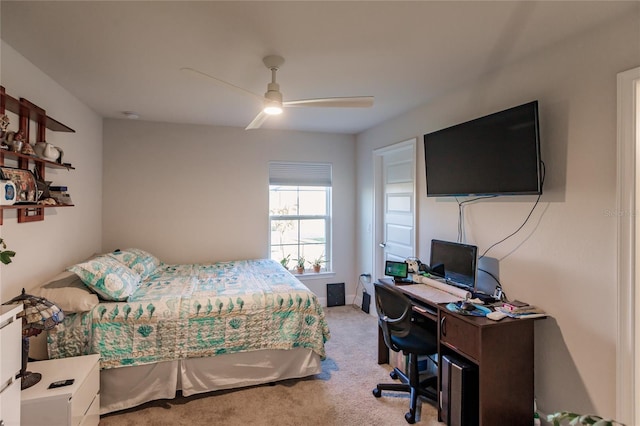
point(459, 262)
point(397, 270)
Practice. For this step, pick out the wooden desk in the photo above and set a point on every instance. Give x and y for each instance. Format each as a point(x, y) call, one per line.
point(501, 350)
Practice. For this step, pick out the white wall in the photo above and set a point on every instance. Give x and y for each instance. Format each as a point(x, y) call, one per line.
point(564, 260)
point(191, 193)
point(67, 234)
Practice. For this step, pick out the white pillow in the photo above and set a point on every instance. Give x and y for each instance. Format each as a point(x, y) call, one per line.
point(68, 292)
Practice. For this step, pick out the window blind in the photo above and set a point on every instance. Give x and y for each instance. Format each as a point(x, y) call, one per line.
point(299, 174)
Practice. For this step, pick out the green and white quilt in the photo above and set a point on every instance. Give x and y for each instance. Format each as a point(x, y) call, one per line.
point(198, 310)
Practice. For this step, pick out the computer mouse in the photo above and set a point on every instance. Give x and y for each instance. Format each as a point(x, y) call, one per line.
point(466, 306)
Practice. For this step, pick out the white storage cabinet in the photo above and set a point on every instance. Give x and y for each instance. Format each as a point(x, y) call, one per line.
point(10, 364)
point(73, 405)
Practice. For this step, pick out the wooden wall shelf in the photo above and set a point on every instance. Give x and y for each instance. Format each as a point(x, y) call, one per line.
point(28, 112)
point(33, 206)
point(23, 107)
point(7, 153)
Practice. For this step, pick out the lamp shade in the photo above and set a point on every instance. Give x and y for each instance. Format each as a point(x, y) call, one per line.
point(38, 314)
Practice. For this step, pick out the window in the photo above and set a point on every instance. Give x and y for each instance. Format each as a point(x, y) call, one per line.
point(300, 213)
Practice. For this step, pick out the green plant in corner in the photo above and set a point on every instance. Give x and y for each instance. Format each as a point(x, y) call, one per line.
point(5, 255)
point(558, 418)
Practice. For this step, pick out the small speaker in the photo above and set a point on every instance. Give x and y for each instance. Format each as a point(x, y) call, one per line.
point(335, 294)
point(366, 301)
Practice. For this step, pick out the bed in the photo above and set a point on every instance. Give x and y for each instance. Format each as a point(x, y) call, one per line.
point(189, 327)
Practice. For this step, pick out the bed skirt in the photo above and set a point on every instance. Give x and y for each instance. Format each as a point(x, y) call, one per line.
point(127, 387)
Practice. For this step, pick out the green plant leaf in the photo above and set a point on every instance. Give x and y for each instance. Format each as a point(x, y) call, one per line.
point(5, 256)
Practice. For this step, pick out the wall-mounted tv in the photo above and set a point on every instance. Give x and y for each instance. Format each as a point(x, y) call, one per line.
point(498, 154)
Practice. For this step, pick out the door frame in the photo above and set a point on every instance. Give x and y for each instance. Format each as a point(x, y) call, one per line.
point(378, 200)
point(627, 197)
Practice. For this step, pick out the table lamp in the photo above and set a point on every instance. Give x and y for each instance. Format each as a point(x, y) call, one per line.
point(38, 314)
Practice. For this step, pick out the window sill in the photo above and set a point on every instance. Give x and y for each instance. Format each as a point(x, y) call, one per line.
point(314, 275)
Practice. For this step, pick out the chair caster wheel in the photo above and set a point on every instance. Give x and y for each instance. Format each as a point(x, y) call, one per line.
point(394, 375)
point(377, 393)
point(410, 418)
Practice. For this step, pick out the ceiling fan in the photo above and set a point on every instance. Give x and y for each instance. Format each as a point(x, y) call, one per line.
point(272, 99)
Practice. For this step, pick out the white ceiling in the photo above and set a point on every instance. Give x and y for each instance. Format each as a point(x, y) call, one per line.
point(120, 56)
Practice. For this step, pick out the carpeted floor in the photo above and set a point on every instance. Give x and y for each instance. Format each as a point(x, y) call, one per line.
point(340, 395)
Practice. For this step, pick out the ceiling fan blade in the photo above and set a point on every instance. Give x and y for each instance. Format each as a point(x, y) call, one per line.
point(225, 83)
point(349, 102)
point(258, 121)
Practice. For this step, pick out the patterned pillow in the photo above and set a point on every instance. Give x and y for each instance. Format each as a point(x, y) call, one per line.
point(106, 276)
point(138, 260)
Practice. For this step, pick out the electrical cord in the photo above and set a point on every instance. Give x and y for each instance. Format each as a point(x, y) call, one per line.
point(491, 275)
point(461, 215)
point(503, 296)
point(355, 296)
point(526, 219)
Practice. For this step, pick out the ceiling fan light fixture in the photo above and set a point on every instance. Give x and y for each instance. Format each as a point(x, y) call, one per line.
point(272, 108)
point(273, 100)
point(272, 103)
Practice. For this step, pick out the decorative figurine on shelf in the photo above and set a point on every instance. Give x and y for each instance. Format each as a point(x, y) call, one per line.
point(7, 139)
point(43, 187)
point(4, 123)
point(27, 149)
point(17, 140)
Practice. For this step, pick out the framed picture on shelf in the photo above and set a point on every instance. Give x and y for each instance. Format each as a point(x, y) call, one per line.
point(25, 182)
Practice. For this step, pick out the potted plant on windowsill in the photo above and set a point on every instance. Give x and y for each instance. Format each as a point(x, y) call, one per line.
point(285, 261)
point(317, 263)
point(300, 265)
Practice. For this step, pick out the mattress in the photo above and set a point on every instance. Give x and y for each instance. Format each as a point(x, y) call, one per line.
point(188, 311)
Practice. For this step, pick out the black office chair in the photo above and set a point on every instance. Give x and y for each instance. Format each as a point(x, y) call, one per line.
point(402, 334)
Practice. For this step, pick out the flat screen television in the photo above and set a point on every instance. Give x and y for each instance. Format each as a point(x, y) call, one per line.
point(459, 262)
point(498, 154)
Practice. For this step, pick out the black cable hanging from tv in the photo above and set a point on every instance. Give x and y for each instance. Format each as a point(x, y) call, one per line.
point(544, 171)
point(460, 213)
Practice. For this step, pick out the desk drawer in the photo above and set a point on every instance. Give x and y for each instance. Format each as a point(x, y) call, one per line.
point(460, 335)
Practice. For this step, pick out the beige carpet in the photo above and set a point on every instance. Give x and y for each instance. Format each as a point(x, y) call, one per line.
point(340, 395)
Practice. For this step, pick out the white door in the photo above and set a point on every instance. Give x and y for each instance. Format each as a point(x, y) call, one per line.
point(628, 205)
point(395, 204)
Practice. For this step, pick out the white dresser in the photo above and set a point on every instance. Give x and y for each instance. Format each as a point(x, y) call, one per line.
point(73, 405)
point(10, 363)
